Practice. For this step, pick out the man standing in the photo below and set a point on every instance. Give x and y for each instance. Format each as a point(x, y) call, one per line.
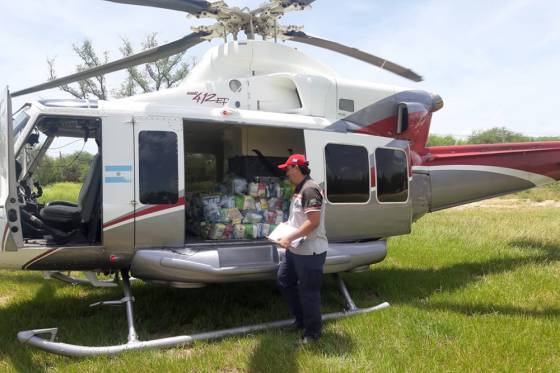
point(301, 272)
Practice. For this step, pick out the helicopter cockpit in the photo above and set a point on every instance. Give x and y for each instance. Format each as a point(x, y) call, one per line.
point(56, 222)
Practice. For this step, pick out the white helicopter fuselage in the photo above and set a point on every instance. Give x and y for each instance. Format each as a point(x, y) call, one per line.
point(239, 97)
point(236, 86)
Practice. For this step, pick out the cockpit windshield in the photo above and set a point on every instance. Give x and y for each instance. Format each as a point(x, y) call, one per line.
point(20, 119)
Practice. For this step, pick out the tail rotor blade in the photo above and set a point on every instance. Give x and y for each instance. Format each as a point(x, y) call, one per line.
point(146, 56)
point(302, 37)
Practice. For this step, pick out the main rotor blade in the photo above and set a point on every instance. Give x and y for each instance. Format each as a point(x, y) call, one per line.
point(194, 7)
point(302, 37)
point(146, 56)
point(298, 2)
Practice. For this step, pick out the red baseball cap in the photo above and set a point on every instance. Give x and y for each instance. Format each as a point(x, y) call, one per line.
point(294, 160)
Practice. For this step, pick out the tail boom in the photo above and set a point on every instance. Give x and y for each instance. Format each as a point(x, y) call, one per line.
point(468, 173)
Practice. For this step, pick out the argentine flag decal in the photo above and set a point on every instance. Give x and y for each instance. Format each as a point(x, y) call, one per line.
point(118, 174)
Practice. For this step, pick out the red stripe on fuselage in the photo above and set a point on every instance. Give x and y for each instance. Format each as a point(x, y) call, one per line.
point(146, 211)
point(38, 257)
point(539, 157)
point(384, 127)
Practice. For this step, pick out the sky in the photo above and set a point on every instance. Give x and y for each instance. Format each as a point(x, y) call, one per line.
point(493, 62)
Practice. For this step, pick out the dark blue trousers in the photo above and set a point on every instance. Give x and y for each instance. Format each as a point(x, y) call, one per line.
point(299, 280)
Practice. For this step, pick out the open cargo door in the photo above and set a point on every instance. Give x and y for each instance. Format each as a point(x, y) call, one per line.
point(9, 208)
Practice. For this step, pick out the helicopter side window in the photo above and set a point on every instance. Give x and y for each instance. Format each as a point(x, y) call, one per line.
point(158, 171)
point(347, 173)
point(392, 175)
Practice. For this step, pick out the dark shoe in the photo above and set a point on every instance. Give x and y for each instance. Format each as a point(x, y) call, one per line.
point(307, 340)
point(294, 327)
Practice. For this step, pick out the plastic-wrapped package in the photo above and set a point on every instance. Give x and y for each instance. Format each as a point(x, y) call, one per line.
point(262, 190)
point(287, 189)
point(252, 217)
point(254, 189)
point(246, 211)
point(211, 206)
point(216, 231)
point(227, 201)
point(235, 216)
point(265, 231)
point(261, 204)
point(224, 216)
point(250, 231)
point(270, 216)
point(245, 203)
point(279, 217)
point(278, 193)
point(239, 231)
point(204, 229)
point(228, 232)
point(275, 203)
point(238, 185)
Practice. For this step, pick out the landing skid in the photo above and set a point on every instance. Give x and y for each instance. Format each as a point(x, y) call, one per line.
point(32, 337)
point(91, 279)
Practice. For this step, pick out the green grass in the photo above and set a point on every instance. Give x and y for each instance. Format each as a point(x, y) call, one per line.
point(66, 191)
point(470, 290)
point(543, 193)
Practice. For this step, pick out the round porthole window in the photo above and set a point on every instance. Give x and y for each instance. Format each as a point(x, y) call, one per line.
point(235, 85)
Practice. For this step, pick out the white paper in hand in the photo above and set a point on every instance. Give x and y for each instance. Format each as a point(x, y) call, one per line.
point(281, 231)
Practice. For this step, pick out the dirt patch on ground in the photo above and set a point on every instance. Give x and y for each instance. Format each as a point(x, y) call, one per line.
point(4, 300)
point(511, 203)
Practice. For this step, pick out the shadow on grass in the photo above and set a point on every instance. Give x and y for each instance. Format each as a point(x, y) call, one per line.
point(489, 309)
point(276, 353)
point(413, 285)
point(20, 278)
point(161, 311)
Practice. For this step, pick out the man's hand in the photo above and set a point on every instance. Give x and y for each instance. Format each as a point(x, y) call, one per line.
point(285, 242)
point(310, 224)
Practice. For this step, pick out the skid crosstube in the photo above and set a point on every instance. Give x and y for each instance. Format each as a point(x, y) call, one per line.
point(33, 337)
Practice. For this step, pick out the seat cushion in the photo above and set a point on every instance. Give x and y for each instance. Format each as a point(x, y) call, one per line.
point(61, 216)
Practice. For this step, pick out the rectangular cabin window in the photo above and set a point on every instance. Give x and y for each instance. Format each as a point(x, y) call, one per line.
point(347, 173)
point(392, 175)
point(158, 171)
point(346, 105)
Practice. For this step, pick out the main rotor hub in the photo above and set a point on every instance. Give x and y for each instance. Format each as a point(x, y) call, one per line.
point(262, 21)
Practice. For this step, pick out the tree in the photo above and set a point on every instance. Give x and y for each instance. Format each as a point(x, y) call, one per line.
point(441, 140)
point(70, 167)
point(496, 135)
point(164, 73)
point(90, 87)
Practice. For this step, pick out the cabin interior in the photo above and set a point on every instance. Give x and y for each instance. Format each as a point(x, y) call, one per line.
point(232, 181)
point(61, 222)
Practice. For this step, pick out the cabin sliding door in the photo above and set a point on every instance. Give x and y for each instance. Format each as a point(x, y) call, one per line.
point(365, 182)
point(160, 202)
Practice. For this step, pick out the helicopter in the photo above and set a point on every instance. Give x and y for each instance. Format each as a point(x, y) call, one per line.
point(144, 210)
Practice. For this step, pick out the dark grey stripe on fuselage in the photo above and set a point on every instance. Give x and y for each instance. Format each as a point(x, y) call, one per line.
point(457, 187)
point(380, 110)
point(72, 258)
